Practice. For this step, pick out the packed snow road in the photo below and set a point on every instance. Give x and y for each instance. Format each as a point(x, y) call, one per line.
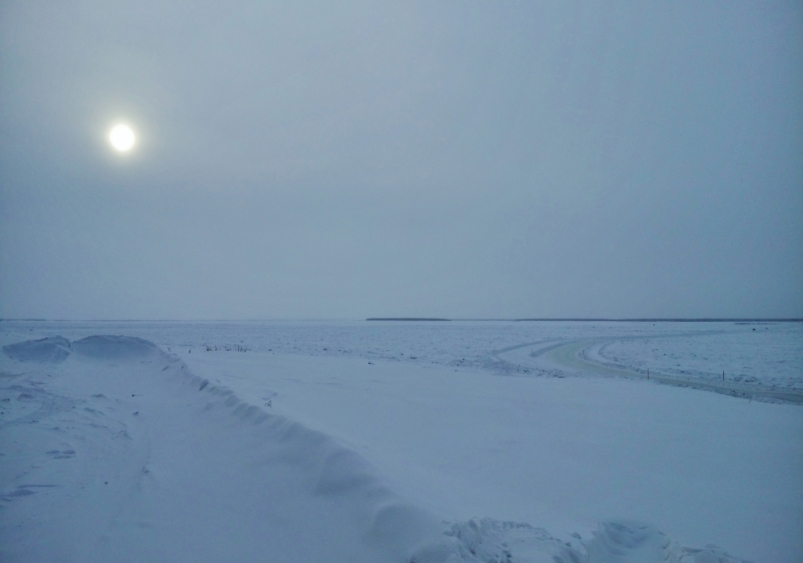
point(572, 356)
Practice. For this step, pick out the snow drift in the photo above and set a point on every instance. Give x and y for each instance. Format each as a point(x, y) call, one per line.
point(56, 349)
point(46, 350)
point(164, 465)
point(114, 347)
point(119, 452)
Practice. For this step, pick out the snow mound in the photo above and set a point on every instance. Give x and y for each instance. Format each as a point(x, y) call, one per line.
point(492, 541)
point(56, 349)
point(107, 347)
point(635, 542)
point(51, 350)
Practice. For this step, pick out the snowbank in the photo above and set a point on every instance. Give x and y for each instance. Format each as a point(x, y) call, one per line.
point(563, 454)
point(114, 347)
point(143, 461)
point(46, 350)
point(122, 451)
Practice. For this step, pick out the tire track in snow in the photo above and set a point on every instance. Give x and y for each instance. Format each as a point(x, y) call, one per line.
point(568, 355)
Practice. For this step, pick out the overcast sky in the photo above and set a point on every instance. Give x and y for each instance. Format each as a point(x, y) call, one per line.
point(353, 159)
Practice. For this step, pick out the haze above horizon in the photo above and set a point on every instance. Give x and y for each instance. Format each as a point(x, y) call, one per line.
point(606, 160)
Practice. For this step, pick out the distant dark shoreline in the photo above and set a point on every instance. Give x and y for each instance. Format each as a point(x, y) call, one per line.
point(703, 320)
point(406, 319)
point(586, 320)
point(428, 319)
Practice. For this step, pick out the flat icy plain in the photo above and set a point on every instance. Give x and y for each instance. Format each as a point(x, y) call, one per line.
point(358, 441)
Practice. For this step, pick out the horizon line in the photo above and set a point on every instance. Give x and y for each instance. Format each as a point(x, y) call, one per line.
point(440, 319)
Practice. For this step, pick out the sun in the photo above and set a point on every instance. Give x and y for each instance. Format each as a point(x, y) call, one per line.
point(122, 137)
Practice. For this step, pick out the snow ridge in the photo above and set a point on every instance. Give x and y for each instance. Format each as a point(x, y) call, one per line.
point(167, 465)
point(46, 350)
point(326, 468)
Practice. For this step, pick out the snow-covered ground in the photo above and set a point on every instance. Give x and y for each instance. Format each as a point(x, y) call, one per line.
point(772, 353)
point(760, 353)
point(358, 441)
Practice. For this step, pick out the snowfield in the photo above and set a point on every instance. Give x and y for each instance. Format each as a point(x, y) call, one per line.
point(357, 441)
point(759, 356)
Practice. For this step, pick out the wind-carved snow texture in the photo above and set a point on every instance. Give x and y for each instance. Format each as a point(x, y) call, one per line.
point(141, 460)
point(492, 541)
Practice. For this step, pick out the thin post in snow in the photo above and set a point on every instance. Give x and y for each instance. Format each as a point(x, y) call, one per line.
point(723, 375)
point(648, 373)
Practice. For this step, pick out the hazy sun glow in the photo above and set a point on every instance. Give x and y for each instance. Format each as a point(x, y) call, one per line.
point(122, 137)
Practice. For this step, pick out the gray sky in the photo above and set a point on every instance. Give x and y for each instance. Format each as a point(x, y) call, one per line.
point(353, 159)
